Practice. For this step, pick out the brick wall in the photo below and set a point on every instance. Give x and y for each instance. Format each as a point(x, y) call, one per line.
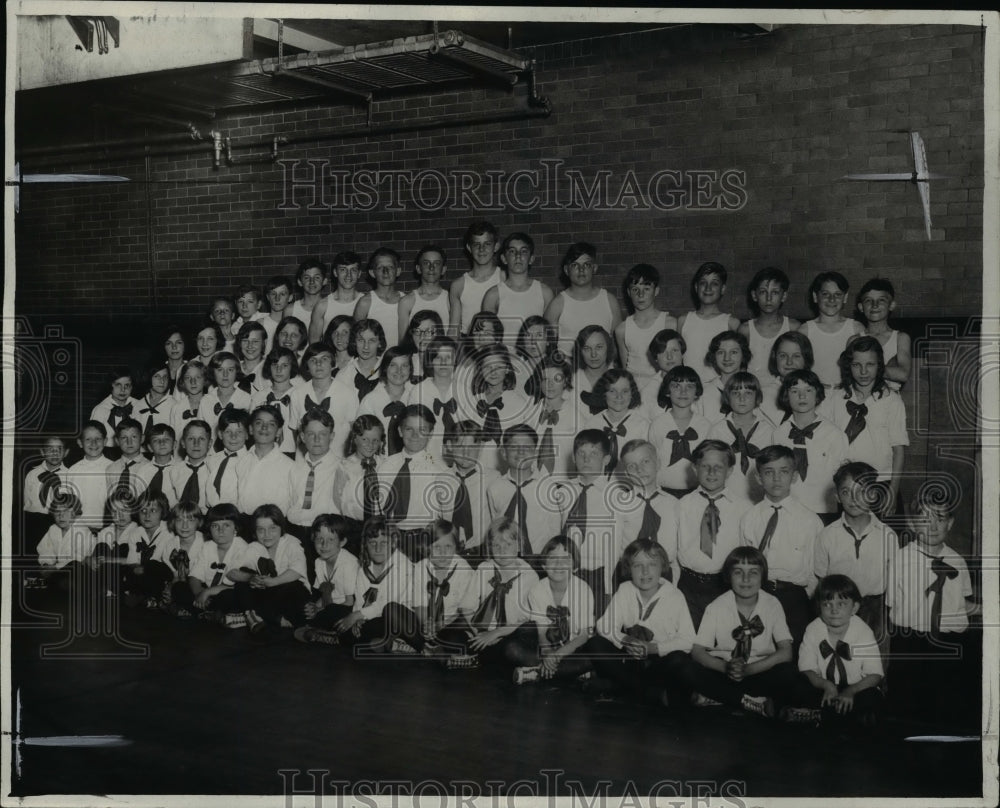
point(795, 111)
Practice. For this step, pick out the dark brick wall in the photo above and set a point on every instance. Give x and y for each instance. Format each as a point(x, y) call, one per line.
point(795, 111)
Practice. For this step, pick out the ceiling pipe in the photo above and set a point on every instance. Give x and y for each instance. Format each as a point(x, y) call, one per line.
point(539, 107)
point(193, 133)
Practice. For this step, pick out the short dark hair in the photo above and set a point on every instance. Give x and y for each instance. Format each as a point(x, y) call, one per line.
point(774, 452)
point(833, 586)
point(806, 376)
point(681, 373)
point(745, 554)
point(272, 512)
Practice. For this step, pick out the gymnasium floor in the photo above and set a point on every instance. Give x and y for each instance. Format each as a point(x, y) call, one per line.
point(207, 710)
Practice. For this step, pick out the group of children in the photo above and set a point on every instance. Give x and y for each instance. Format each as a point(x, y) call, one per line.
point(470, 474)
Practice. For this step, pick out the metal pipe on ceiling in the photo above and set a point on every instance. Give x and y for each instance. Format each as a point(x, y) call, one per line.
point(193, 133)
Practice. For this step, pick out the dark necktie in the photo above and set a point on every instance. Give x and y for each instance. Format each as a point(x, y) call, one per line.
point(799, 438)
point(307, 498)
point(769, 528)
point(156, 482)
point(48, 481)
point(835, 670)
point(493, 610)
point(463, 509)
point(437, 591)
point(724, 408)
point(312, 405)
point(371, 593)
point(124, 486)
point(680, 448)
point(369, 489)
point(577, 516)
point(401, 492)
point(179, 559)
point(149, 411)
point(558, 631)
point(146, 550)
point(118, 412)
point(650, 527)
point(448, 409)
point(221, 471)
point(490, 413)
point(613, 433)
point(192, 490)
point(392, 411)
point(857, 423)
point(220, 570)
point(857, 540)
point(742, 447)
point(744, 634)
point(273, 399)
point(517, 510)
point(547, 447)
point(711, 521)
point(943, 571)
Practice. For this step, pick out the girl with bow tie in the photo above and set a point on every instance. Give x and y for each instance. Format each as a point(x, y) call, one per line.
point(118, 405)
point(562, 608)
point(250, 342)
point(157, 406)
point(280, 371)
point(677, 431)
point(746, 429)
point(621, 418)
point(437, 390)
point(742, 654)
point(387, 401)
point(559, 415)
point(593, 356)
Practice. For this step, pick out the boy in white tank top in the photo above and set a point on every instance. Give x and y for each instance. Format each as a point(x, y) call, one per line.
point(466, 294)
point(342, 300)
point(430, 295)
point(519, 296)
point(382, 302)
point(310, 277)
point(642, 284)
point(876, 300)
point(699, 326)
point(581, 303)
point(766, 296)
point(832, 330)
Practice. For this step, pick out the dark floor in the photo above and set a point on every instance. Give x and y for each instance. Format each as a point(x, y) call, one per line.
point(207, 710)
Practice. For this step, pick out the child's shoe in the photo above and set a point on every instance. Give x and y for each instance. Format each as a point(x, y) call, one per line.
point(35, 582)
point(156, 604)
point(698, 700)
point(399, 646)
point(318, 635)
point(525, 674)
point(462, 662)
point(801, 715)
point(235, 620)
point(255, 622)
point(759, 705)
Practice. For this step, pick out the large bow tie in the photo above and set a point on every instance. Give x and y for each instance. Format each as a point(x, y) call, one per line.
point(218, 565)
point(151, 409)
point(266, 566)
point(493, 610)
point(548, 418)
point(491, 418)
point(118, 412)
point(312, 405)
point(483, 406)
point(558, 632)
point(369, 597)
point(219, 407)
point(393, 409)
point(835, 670)
point(637, 632)
point(368, 463)
point(799, 438)
point(246, 383)
point(179, 558)
point(680, 448)
point(364, 385)
point(744, 634)
point(187, 414)
point(593, 401)
point(620, 430)
point(857, 423)
point(450, 406)
point(285, 399)
point(742, 447)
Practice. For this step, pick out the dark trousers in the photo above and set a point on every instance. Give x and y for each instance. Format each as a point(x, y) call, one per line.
point(150, 582)
point(501, 656)
point(699, 590)
point(595, 580)
point(798, 608)
point(803, 694)
point(637, 676)
point(873, 612)
point(524, 651)
point(329, 615)
point(402, 623)
point(936, 678)
point(272, 603)
point(777, 682)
